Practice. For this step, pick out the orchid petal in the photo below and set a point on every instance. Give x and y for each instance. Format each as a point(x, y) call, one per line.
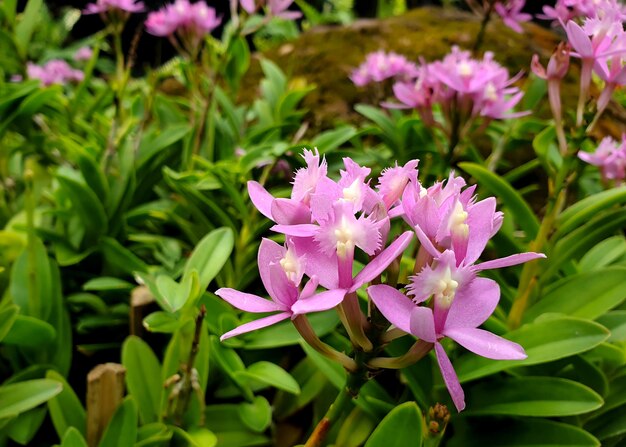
point(269, 253)
point(473, 304)
point(382, 261)
point(309, 288)
point(480, 221)
point(300, 230)
point(450, 378)
point(256, 324)
point(426, 243)
point(508, 261)
point(247, 301)
point(486, 344)
point(422, 324)
point(317, 303)
point(318, 264)
point(290, 212)
point(395, 306)
point(260, 198)
point(284, 291)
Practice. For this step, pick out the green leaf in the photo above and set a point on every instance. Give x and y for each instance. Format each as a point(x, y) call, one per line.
point(522, 433)
point(400, 428)
point(209, 256)
point(612, 423)
point(24, 428)
point(19, 397)
point(532, 396)
point(163, 322)
point(73, 438)
point(175, 295)
point(143, 377)
point(66, 411)
point(30, 332)
point(121, 257)
point(257, 415)
point(271, 374)
point(615, 321)
point(603, 254)
point(86, 205)
point(544, 340)
point(7, 317)
point(330, 140)
point(200, 437)
point(107, 284)
point(547, 150)
point(522, 213)
point(25, 27)
point(122, 429)
point(585, 209)
point(585, 295)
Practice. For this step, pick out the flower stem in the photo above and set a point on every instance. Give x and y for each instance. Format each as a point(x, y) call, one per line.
point(480, 37)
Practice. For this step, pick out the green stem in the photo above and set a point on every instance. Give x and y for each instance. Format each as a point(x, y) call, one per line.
point(480, 37)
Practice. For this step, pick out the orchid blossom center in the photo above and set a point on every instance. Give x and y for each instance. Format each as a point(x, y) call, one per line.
point(445, 290)
point(458, 219)
point(345, 238)
point(353, 192)
point(290, 265)
point(491, 93)
point(465, 69)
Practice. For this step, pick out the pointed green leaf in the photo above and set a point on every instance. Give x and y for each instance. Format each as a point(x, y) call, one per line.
point(122, 429)
point(210, 255)
point(400, 428)
point(65, 408)
point(19, 397)
point(7, 317)
point(272, 375)
point(532, 396)
point(143, 377)
point(73, 438)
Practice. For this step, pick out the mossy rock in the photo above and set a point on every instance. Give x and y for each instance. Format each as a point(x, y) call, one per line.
point(325, 56)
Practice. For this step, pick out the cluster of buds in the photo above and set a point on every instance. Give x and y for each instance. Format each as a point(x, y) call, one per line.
point(55, 71)
point(610, 157)
point(274, 8)
point(326, 221)
point(189, 22)
point(380, 66)
point(464, 88)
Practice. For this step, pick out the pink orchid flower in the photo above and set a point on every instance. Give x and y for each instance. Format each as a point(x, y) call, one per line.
point(191, 21)
point(55, 71)
point(512, 15)
point(379, 66)
point(281, 271)
point(610, 157)
point(104, 6)
point(461, 302)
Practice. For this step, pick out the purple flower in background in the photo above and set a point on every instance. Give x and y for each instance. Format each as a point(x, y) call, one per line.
point(610, 157)
point(275, 8)
point(512, 15)
point(188, 20)
point(460, 302)
point(281, 270)
point(104, 6)
point(379, 66)
point(55, 71)
point(83, 54)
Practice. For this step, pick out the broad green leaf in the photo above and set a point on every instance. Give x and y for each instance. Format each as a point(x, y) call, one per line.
point(23, 428)
point(257, 415)
point(73, 438)
point(544, 340)
point(532, 396)
point(26, 26)
point(522, 213)
point(400, 428)
point(30, 332)
point(230, 362)
point(175, 295)
point(521, 433)
point(143, 377)
point(271, 374)
point(163, 322)
point(106, 284)
point(65, 408)
point(198, 437)
point(7, 317)
point(603, 254)
point(547, 151)
point(615, 321)
point(356, 429)
point(209, 256)
point(332, 139)
point(156, 434)
point(121, 257)
point(610, 424)
point(19, 397)
point(585, 209)
point(122, 429)
point(86, 205)
point(585, 295)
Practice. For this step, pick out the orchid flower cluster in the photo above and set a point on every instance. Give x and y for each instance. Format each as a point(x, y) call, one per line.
point(599, 41)
point(465, 89)
point(326, 221)
point(190, 22)
point(380, 66)
point(610, 157)
point(114, 8)
point(510, 11)
point(565, 10)
point(55, 71)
